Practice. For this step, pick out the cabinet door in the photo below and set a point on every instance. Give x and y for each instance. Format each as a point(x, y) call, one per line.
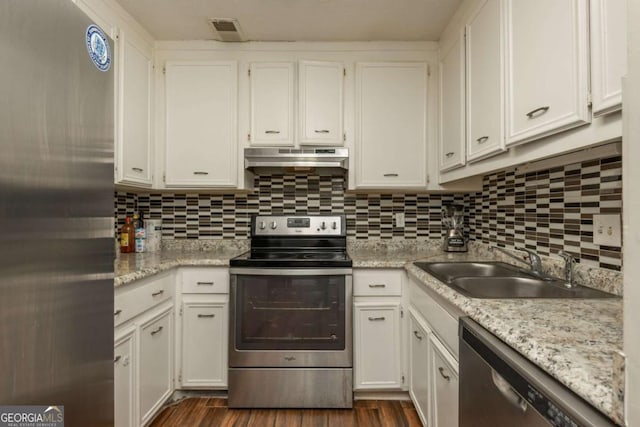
point(419, 387)
point(272, 97)
point(546, 68)
point(321, 103)
point(452, 106)
point(391, 131)
point(201, 128)
point(608, 54)
point(204, 344)
point(156, 347)
point(444, 385)
point(377, 350)
point(134, 113)
point(124, 377)
point(485, 103)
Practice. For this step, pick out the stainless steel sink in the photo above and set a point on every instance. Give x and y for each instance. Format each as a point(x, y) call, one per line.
point(447, 271)
point(501, 280)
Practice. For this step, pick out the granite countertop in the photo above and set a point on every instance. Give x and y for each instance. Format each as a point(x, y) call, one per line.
point(132, 267)
point(576, 341)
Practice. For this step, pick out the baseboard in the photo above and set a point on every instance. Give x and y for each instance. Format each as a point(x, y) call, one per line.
point(381, 395)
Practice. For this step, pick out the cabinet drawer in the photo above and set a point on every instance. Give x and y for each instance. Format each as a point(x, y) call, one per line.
point(444, 325)
point(205, 280)
point(374, 282)
point(149, 293)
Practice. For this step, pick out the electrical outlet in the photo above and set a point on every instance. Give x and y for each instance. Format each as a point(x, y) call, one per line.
point(607, 230)
point(399, 219)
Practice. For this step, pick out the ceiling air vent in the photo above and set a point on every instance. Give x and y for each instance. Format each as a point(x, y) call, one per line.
point(226, 30)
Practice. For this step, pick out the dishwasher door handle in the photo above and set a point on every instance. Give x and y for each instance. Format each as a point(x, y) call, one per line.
point(508, 392)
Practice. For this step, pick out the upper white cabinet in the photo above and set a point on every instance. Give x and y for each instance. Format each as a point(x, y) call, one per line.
point(391, 125)
point(546, 67)
point(133, 134)
point(201, 124)
point(321, 102)
point(485, 82)
point(452, 105)
point(608, 54)
point(272, 97)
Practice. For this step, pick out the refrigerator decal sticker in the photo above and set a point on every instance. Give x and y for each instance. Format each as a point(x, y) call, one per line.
point(98, 48)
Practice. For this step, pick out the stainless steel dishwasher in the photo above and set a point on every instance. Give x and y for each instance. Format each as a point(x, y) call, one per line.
point(501, 388)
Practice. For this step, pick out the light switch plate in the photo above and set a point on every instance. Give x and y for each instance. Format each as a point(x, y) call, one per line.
point(400, 219)
point(607, 230)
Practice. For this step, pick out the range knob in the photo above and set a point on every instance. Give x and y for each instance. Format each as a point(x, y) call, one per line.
point(262, 225)
point(334, 225)
point(274, 225)
point(323, 226)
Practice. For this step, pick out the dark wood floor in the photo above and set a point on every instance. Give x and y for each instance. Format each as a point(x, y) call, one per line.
point(210, 412)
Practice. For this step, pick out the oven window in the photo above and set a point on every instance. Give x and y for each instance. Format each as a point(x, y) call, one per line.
point(290, 312)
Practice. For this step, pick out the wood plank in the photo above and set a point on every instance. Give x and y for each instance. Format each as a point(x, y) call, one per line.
point(289, 417)
point(392, 413)
point(315, 418)
point(262, 417)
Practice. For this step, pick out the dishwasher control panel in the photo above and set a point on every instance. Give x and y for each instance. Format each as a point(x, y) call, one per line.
point(546, 408)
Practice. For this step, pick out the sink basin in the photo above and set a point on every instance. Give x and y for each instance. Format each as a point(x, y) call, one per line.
point(501, 280)
point(447, 271)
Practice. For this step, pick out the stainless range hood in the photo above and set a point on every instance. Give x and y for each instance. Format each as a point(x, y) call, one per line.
point(317, 160)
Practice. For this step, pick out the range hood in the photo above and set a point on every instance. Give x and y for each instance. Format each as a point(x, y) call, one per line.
point(317, 160)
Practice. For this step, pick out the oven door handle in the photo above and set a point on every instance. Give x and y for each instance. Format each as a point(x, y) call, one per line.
point(291, 271)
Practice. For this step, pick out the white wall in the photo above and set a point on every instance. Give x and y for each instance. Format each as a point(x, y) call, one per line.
point(631, 198)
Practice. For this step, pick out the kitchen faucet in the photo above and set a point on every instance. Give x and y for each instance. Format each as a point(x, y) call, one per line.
point(535, 264)
point(569, 262)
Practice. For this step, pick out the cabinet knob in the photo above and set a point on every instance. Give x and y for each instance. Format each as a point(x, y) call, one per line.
point(206, 315)
point(205, 283)
point(450, 153)
point(377, 285)
point(272, 132)
point(376, 319)
point(157, 331)
point(137, 170)
point(482, 139)
point(534, 113)
point(200, 173)
point(417, 335)
point(321, 131)
point(155, 294)
point(117, 312)
point(391, 174)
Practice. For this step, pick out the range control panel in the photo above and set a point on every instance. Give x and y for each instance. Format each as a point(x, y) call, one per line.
point(299, 226)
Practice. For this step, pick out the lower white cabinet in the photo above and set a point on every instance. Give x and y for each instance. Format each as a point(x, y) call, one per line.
point(155, 362)
point(377, 346)
point(204, 342)
point(203, 327)
point(124, 378)
point(143, 348)
point(419, 382)
point(444, 385)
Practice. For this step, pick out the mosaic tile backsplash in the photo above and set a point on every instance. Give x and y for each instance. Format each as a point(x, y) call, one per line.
point(546, 210)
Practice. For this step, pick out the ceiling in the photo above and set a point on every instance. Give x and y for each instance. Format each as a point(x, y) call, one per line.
point(297, 20)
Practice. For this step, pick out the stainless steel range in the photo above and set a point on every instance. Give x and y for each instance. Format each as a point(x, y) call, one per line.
point(290, 342)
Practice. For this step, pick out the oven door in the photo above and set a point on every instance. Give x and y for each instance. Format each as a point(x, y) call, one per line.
point(290, 318)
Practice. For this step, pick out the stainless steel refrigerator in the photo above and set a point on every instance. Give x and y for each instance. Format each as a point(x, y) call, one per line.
point(56, 212)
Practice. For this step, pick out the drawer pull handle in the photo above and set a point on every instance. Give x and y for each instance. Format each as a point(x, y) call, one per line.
point(321, 131)
point(535, 112)
point(155, 294)
point(204, 283)
point(272, 131)
point(450, 154)
point(289, 358)
point(445, 376)
point(117, 312)
point(482, 139)
point(391, 175)
point(376, 319)
point(200, 173)
point(157, 331)
point(137, 170)
point(417, 335)
point(377, 285)
point(206, 315)
point(117, 359)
